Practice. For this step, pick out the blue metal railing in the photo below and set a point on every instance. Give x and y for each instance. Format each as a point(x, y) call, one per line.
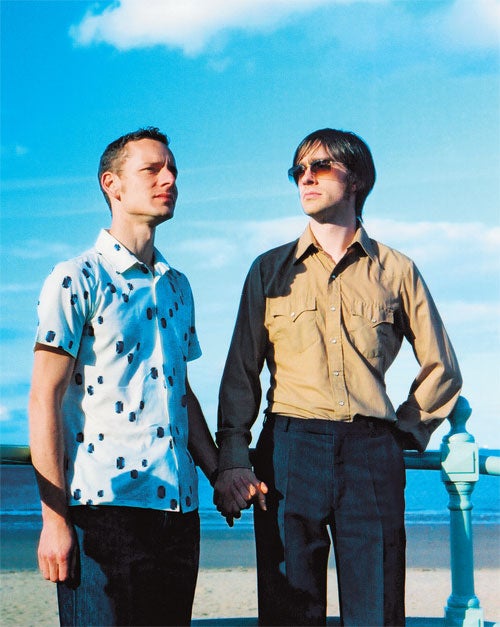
point(460, 464)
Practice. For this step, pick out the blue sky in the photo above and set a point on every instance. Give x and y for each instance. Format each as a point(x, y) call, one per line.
point(236, 84)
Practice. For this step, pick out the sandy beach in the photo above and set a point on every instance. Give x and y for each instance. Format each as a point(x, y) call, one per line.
point(227, 580)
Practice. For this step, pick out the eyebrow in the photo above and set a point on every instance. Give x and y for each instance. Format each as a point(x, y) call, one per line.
point(159, 164)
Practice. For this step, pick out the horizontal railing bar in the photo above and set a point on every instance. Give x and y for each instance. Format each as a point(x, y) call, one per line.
point(430, 460)
point(15, 454)
point(11, 454)
point(489, 465)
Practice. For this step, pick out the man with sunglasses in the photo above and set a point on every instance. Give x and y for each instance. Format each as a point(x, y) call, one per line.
point(328, 313)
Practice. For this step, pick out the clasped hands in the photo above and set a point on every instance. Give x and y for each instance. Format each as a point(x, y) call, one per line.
point(235, 490)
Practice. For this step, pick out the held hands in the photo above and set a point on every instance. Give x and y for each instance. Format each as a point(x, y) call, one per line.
point(57, 553)
point(235, 489)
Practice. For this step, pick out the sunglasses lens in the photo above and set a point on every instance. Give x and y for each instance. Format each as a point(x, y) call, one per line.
point(296, 172)
point(322, 166)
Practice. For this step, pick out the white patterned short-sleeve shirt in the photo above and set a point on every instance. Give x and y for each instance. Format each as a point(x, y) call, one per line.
point(131, 333)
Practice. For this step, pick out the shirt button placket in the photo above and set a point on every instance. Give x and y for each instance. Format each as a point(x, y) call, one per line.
point(334, 348)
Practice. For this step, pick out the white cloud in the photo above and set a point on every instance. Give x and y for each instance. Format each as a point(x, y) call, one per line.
point(14, 150)
point(189, 25)
point(39, 249)
point(240, 243)
point(480, 314)
point(464, 244)
point(193, 26)
point(470, 246)
point(470, 24)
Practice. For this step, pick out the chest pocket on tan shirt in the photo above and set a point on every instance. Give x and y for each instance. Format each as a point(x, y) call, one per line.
point(292, 324)
point(371, 329)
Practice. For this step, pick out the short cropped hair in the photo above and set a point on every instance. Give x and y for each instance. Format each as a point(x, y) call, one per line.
point(114, 154)
point(349, 150)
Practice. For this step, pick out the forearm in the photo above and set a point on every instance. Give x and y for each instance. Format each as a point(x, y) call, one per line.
point(51, 374)
point(240, 389)
point(201, 443)
point(239, 402)
point(47, 454)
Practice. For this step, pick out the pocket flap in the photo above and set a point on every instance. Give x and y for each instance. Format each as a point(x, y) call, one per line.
point(291, 308)
point(375, 314)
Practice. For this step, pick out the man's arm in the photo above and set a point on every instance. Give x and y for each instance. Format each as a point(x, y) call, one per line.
point(52, 371)
point(200, 442)
point(239, 401)
point(205, 454)
point(436, 388)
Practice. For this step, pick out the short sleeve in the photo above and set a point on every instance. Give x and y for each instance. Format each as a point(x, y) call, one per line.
point(63, 308)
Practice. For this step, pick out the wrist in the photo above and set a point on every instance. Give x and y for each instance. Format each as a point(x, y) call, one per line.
point(212, 477)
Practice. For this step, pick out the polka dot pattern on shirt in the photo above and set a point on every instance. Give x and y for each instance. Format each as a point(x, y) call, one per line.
point(131, 333)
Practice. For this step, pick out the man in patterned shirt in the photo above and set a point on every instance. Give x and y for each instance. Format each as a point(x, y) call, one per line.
point(116, 430)
point(328, 313)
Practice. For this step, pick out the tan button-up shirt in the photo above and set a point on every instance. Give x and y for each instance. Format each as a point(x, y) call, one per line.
point(328, 334)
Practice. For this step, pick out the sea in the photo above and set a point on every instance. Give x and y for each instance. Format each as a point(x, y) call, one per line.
point(426, 500)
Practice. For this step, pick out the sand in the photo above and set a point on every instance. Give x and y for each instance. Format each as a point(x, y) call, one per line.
point(227, 579)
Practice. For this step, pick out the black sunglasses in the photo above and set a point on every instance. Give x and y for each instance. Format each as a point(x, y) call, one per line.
point(319, 166)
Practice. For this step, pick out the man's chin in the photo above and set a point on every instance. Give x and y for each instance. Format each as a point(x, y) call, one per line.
point(168, 215)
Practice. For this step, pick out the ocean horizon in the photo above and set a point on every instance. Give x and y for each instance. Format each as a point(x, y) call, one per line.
point(426, 500)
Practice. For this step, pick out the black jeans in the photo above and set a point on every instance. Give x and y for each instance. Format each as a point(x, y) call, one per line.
point(346, 477)
point(136, 567)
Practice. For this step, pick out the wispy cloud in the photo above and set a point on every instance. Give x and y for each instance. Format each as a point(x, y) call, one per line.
point(4, 413)
point(189, 25)
point(19, 288)
point(193, 26)
point(242, 239)
point(17, 185)
point(36, 249)
point(469, 25)
point(464, 313)
point(433, 241)
point(13, 151)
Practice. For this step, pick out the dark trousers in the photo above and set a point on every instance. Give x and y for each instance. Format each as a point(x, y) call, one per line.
point(136, 567)
point(345, 477)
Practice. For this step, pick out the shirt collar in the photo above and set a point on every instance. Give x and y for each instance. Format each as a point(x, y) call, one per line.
point(121, 258)
point(362, 238)
point(307, 243)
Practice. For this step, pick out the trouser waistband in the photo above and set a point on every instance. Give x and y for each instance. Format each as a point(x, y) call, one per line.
point(359, 425)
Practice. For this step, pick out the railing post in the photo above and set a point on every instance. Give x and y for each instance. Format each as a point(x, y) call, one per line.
point(459, 472)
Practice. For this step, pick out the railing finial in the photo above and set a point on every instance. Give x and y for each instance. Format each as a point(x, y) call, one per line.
point(458, 419)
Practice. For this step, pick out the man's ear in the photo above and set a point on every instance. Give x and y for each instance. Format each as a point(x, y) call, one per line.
point(110, 183)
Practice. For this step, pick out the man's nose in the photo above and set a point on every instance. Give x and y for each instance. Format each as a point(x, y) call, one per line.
point(166, 176)
point(308, 177)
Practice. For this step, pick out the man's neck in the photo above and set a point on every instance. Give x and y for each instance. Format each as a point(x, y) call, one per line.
point(139, 240)
point(334, 239)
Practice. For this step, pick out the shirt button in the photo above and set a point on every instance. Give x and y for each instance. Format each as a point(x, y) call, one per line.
point(333, 340)
point(336, 373)
point(333, 308)
point(341, 403)
point(292, 314)
point(374, 320)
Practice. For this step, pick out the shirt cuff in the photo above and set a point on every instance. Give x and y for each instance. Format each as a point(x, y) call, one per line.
point(233, 452)
point(414, 432)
